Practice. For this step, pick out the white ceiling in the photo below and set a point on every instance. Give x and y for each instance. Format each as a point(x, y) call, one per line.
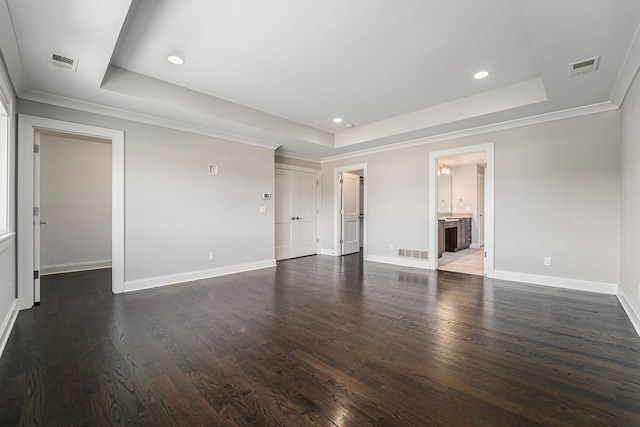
point(280, 71)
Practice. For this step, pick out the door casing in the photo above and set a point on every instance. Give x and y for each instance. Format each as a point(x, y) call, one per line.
point(27, 127)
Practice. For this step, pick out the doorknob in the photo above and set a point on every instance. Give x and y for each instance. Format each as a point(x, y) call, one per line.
point(42, 223)
point(298, 218)
point(293, 218)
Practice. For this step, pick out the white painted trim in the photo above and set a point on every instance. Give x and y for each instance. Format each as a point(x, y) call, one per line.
point(511, 124)
point(27, 127)
point(156, 282)
point(558, 282)
point(5, 241)
point(337, 220)
point(628, 72)
point(7, 325)
point(408, 262)
point(328, 252)
point(295, 156)
point(489, 201)
point(74, 267)
point(475, 246)
point(628, 308)
point(89, 107)
point(296, 168)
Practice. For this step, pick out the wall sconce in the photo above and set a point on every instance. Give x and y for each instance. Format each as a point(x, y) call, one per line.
point(443, 170)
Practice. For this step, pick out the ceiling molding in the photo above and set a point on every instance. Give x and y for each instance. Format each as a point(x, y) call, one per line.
point(88, 107)
point(629, 71)
point(295, 156)
point(10, 51)
point(517, 95)
point(511, 124)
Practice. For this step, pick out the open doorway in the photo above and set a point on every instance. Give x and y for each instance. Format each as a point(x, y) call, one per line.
point(458, 209)
point(72, 187)
point(461, 213)
point(28, 212)
point(350, 206)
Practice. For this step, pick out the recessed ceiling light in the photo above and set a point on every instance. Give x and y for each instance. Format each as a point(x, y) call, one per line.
point(175, 59)
point(337, 120)
point(481, 75)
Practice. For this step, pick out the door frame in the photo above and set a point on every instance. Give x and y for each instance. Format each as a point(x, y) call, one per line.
point(317, 172)
point(488, 150)
point(337, 202)
point(27, 127)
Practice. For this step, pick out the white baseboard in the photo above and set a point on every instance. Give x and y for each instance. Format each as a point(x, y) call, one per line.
point(7, 325)
point(475, 246)
point(558, 282)
point(628, 308)
point(404, 262)
point(73, 267)
point(155, 282)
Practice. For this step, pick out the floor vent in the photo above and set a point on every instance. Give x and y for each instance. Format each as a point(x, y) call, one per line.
point(410, 253)
point(64, 62)
point(584, 66)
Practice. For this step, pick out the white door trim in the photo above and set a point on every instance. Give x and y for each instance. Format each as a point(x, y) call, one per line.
point(27, 126)
point(337, 202)
point(488, 149)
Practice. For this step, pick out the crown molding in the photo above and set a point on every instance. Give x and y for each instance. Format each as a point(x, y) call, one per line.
point(295, 156)
point(511, 124)
point(89, 107)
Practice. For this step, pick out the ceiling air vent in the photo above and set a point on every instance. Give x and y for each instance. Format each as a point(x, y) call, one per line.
point(64, 62)
point(583, 66)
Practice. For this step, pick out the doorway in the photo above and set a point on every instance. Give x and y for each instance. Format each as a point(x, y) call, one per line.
point(72, 187)
point(350, 207)
point(461, 213)
point(28, 126)
point(487, 251)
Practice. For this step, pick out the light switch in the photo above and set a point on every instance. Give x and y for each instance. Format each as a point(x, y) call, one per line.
point(263, 209)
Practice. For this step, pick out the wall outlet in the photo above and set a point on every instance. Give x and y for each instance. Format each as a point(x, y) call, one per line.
point(212, 256)
point(263, 209)
point(547, 260)
point(390, 246)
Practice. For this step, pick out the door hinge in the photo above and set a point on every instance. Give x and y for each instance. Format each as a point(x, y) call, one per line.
point(317, 240)
point(36, 148)
point(36, 211)
point(341, 181)
point(341, 241)
point(36, 275)
point(485, 254)
point(317, 182)
point(485, 165)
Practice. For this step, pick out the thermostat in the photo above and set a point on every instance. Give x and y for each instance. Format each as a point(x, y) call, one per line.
point(266, 196)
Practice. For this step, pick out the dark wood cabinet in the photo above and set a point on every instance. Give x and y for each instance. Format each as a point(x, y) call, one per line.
point(456, 235)
point(440, 237)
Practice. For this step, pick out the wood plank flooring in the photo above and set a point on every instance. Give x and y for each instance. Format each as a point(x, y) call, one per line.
point(321, 341)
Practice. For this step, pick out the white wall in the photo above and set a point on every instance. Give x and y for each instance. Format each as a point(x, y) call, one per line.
point(630, 237)
point(557, 194)
point(175, 212)
point(75, 203)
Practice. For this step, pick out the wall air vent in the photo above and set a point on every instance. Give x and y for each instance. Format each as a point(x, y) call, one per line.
point(584, 66)
point(64, 62)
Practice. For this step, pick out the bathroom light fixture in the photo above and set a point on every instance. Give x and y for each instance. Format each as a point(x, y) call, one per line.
point(444, 170)
point(480, 74)
point(174, 59)
point(337, 120)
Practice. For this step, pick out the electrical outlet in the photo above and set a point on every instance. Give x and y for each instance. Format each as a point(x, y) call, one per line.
point(547, 260)
point(390, 246)
point(212, 256)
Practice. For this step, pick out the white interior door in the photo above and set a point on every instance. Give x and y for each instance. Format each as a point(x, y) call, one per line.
point(36, 219)
point(350, 212)
point(481, 214)
point(296, 213)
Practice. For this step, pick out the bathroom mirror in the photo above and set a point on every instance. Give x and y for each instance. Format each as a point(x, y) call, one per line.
point(444, 193)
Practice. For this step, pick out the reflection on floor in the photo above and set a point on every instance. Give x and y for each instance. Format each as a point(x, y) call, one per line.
point(470, 261)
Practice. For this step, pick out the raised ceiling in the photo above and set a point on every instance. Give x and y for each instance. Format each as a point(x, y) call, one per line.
point(280, 71)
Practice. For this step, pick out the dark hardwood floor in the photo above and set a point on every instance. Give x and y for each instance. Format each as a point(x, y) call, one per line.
point(321, 341)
